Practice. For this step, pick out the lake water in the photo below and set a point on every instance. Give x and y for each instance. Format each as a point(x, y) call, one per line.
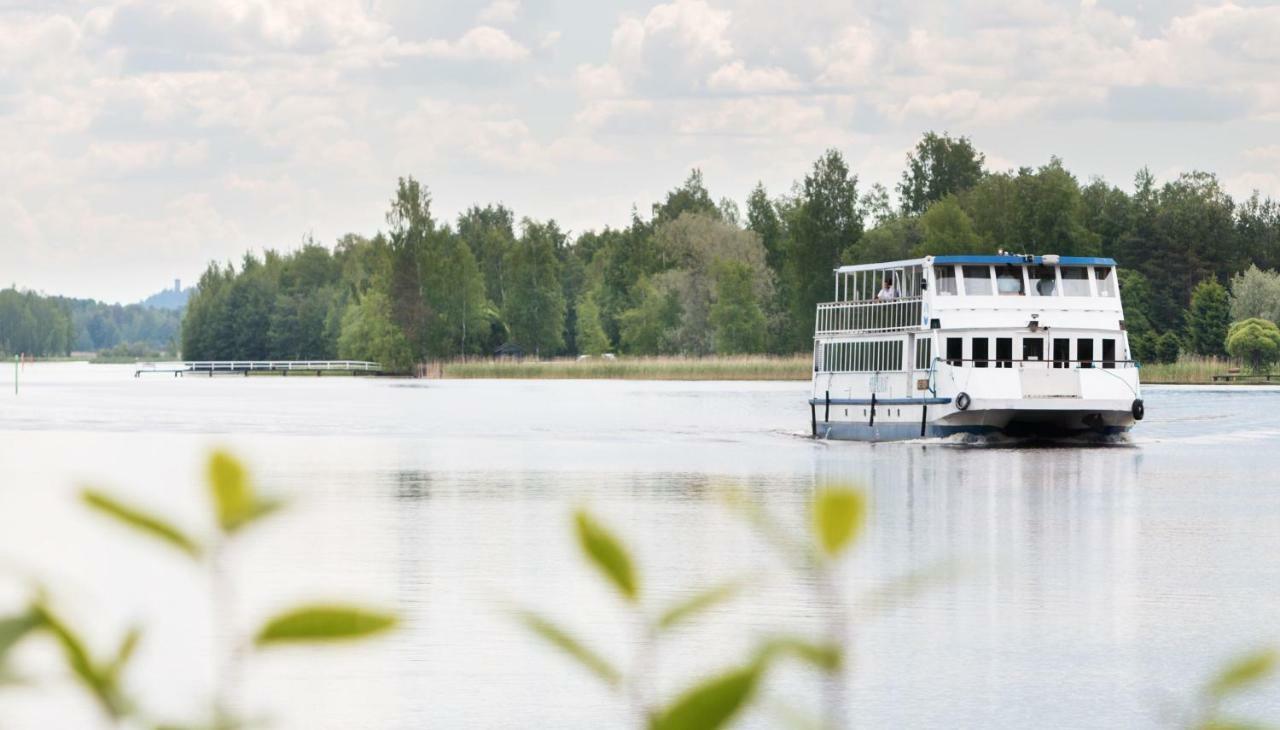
point(1085, 586)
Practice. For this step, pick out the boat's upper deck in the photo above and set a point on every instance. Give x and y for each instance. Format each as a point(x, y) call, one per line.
point(963, 292)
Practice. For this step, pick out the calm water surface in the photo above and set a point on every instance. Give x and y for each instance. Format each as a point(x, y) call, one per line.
point(1093, 586)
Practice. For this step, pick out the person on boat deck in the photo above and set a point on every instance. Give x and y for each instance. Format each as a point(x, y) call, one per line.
point(887, 292)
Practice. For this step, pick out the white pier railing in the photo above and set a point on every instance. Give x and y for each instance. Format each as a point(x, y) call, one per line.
point(897, 315)
point(238, 367)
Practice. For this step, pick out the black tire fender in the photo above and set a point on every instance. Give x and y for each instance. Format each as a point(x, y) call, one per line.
point(1138, 409)
point(963, 401)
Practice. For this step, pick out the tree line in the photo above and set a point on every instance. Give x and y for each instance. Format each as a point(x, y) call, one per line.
point(44, 326)
point(697, 276)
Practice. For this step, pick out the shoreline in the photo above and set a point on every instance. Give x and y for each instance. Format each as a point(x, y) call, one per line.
point(673, 368)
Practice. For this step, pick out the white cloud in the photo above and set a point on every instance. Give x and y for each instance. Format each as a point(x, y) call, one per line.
point(599, 81)
point(848, 59)
point(481, 43)
point(288, 116)
point(500, 11)
point(737, 76)
point(699, 29)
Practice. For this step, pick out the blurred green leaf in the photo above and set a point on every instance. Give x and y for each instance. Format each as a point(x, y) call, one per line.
point(838, 516)
point(712, 703)
point(234, 499)
point(826, 657)
point(562, 640)
point(898, 591)
point(97, 682)
point(139, 520)
point(323, 623)
point(13, 628)
point(696, 604)
point(607, 553)
point(1243, 672)
point(1224, 723)
point(124, 653)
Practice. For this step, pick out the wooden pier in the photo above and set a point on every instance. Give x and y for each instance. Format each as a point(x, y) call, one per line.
point(245, 367)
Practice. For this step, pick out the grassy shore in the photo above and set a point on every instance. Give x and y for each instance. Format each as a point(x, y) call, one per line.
point(746, 367)
point(1192, 370)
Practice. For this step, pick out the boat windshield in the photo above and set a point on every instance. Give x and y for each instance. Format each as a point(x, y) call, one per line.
point(1106, 282)
point(945, 279)
point(977, 280)
point(1009, 280)
point(1075, 281)
point(1044, 283)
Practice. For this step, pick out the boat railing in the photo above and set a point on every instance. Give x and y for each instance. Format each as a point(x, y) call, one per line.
point(1043, 364)
point(895, 315)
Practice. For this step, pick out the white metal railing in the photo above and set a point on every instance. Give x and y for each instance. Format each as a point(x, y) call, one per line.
point(236, 366)
point(896, 315)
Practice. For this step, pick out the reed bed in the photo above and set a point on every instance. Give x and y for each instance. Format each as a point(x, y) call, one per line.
point(745, 367)
point(1193, 370)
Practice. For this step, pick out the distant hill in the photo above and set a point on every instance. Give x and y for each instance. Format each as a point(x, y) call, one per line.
point(175, 298)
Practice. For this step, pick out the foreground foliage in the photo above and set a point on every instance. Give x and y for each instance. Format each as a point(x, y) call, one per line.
point(235, 506)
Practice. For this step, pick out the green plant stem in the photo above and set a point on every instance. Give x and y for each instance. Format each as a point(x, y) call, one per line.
point(836, 709)
point(225, 655)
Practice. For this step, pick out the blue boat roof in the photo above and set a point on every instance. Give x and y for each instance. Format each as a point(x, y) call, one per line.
point(1011, 259)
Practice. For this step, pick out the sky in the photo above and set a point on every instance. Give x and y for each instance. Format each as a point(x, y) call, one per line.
point(141, 140)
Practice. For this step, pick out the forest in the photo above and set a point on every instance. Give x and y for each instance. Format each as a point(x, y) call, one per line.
point(50, 326)
point(697, 276)
point(694, 275)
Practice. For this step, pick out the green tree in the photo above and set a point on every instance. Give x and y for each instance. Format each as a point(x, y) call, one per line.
point(763, 219)
point(1167, 347)
point(690, 197)
point(939, 166)
point(453, 290)
point(1255, 293)
point(1208, 318)
point(591, 337)
point(824, 222)
point(1256, 342)
point(898, 238)
point(992, 205)
point(692, 247)
point(1135, 295)
point(369, 333)
point(1050, 214)
point(489, 233)
point(947, 229)
point(535, 303)
point(409, 218)
point(647, 328)
point(736, 316)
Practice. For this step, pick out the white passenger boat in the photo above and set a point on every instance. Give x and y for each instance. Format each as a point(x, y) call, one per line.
point(1012, 344)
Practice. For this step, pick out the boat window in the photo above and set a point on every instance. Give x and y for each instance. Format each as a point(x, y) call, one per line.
point(1084, 351)
point(1004, 352)
point(1062, 352)
point(1075, 281)
point(977, 280)
point(924, 353)
point(955, 350)
point(1043, 281)
point(1108, 353)
point(1106, 282)
point(945, 279)
point(1009, 281)
point(980, 354)
point(1033, 348)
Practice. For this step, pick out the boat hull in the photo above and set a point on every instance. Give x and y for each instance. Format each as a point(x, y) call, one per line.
point(1019, 423)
